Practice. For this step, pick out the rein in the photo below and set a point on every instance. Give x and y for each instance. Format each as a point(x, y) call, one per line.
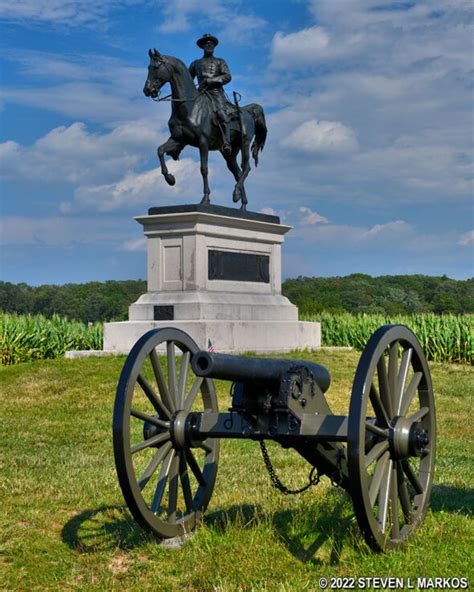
point(169, 98)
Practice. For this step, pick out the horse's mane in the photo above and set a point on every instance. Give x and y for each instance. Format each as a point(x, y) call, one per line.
point(175, 61)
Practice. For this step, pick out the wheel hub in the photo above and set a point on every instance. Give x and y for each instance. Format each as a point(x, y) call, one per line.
point(178, 430)
point(407, 438)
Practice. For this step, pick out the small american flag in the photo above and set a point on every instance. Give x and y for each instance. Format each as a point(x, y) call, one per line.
point(210, 348)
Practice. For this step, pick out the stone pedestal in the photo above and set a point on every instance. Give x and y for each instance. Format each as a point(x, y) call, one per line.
point(215, 273)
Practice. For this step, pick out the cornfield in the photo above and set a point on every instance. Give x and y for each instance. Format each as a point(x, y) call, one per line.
point(24, 338)
point(445, 338)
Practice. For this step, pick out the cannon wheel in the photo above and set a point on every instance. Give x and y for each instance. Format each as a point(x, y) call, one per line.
point(391, 438)
point(167, 482)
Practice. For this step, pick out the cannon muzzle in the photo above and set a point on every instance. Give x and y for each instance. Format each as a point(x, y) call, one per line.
point(259, 370)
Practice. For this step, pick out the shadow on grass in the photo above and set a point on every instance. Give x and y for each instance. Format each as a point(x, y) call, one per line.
point(333, 528)
point(445, 498)
point(103, 529)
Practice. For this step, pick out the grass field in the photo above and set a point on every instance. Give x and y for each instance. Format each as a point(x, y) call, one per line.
point(64, 525)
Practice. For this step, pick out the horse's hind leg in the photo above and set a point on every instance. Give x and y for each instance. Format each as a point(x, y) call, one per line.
point(172, 146)
point(239, 190)
point(234, 168)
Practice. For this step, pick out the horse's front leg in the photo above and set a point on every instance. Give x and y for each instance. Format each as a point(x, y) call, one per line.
point(204, 153)
point(170, 145)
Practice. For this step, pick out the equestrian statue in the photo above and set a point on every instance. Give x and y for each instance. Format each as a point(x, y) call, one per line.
point(203, 117)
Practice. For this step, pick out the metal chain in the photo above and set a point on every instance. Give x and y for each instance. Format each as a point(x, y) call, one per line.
point(336, 478)
point(314, 476)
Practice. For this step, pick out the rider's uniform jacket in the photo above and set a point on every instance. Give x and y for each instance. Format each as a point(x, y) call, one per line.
point(214, 71)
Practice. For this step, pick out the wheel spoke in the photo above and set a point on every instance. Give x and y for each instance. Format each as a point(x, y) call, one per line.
point(395, 533)
point(150, 442)
point(194, 467)
point(188, 403)
point(376, 452)
point(392, 373)
point(402, 378)
point(409, 394)
point(161, 380)
point(384, 388)
point(384, 495)
point(172, 382)
point(184, 476)
point(162, 479)
point(150, 419)
point(377, 404)
point(377, 478)
point(183, 377)
point(376, 430)
point(412, 476)
point(403, 493)
point(150, 393)
point(420, 414)
point(173, 490)
point(151, 468)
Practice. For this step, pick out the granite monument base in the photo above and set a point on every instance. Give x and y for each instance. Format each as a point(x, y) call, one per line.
point(215, 273)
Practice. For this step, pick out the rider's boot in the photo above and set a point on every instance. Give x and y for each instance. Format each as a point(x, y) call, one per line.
point(226, 146)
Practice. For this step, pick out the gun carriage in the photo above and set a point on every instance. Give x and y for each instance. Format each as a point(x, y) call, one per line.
point(167, 428)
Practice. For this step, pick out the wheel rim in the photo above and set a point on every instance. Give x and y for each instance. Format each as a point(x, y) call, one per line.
point(167, 484)
point(391, 438)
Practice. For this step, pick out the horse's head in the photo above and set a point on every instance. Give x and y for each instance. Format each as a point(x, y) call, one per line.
point(159, 73)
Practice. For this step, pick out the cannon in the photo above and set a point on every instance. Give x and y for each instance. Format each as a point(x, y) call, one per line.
point(167, 429)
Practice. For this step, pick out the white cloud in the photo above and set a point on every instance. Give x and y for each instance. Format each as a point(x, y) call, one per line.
point(310, 217)
point(398, 234)
point(75, 155)
point(139, 189)
point(300, 48)
point(181, 15)
point(466, 239)
point(315, 136)
point(398, 227)
point(61, 12)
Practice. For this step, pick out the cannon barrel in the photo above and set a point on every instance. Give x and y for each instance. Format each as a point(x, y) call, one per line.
point(247, 369)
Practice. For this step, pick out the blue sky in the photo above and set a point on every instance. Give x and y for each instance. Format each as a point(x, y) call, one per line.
point(370, 148)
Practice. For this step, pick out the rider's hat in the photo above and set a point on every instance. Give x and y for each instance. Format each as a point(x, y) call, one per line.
point(207, 37)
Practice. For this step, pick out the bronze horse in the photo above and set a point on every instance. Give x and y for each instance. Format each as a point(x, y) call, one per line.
point(193, 122)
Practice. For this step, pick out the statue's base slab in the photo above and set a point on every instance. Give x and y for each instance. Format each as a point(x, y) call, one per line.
point(212, 306)
point(226, 336)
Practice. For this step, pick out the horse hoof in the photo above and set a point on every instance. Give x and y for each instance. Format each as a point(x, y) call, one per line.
point(170, 179)
point(236, 195)
point(243, 207)
point(205, 200)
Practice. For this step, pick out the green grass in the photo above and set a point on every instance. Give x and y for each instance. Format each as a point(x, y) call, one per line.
point(64, 525)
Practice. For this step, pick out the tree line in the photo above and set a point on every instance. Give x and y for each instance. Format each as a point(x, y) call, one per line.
point(357, 293)
point(389, 294)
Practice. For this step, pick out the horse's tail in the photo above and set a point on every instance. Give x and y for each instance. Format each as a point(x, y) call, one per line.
point(260, 129)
